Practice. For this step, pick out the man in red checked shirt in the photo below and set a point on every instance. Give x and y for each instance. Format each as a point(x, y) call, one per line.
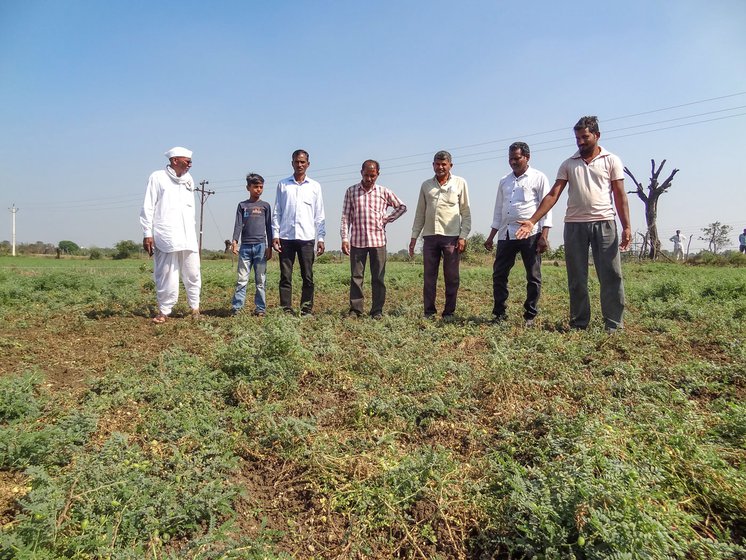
point(363, 231)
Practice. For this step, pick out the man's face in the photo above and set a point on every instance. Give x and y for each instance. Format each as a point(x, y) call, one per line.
point(300, 164)
point(255, 190)
point(586, 141)
point(518, 162)
point(369, 174)
point(442, 168)
point(180, 165)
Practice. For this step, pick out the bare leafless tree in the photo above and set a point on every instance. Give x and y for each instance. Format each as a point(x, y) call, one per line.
point(650, 199)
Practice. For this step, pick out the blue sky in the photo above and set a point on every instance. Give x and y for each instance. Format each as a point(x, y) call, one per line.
point(92, 94)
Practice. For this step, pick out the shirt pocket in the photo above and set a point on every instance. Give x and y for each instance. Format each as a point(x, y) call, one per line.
point(523, 194)
point(450, 198)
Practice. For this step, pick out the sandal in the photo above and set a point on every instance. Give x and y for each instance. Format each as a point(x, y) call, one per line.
point(159, 319)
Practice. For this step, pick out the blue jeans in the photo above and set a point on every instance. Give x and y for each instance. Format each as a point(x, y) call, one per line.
point(251, 255)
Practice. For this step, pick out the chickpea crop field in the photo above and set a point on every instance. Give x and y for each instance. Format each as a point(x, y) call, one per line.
point(328, 437)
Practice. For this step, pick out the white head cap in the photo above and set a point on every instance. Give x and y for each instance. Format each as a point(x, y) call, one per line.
point(178, 152)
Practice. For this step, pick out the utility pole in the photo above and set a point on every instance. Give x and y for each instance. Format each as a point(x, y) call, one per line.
point(203, 199)
point(13, 211)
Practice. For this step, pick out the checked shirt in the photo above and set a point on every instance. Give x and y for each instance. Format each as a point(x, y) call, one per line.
point(364, 215)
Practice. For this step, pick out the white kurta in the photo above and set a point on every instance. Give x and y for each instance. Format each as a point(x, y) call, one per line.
point(168, 212)
point(168, 216)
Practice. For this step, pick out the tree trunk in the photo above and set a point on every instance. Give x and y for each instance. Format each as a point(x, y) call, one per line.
point(651, 215)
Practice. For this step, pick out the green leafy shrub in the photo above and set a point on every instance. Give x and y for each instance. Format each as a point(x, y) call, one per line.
point(270, 360)
point(18, 397)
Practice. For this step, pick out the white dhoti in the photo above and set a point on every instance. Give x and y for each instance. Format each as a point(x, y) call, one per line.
point(167, 268)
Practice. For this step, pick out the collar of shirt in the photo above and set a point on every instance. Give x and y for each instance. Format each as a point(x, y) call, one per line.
point(360, 187)
point(602, 153)
point(291, 179)
point(446, 185)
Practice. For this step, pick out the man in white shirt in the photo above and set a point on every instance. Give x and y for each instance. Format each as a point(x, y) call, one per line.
point(518, 196)
point(298, 222)
point(169, 233)
point(678, 245)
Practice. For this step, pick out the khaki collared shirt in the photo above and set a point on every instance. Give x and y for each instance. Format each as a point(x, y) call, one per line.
point(443, 209)
point(590, 196)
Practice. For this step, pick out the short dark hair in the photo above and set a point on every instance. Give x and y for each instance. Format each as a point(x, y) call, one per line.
point(589, 122)
point(254, 179)
point(442, 155)
point(371, 162)
point(525, 150)
point(296, 153)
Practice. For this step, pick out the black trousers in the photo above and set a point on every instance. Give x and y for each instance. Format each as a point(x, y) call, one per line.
point(507, 249)
point(306, 255)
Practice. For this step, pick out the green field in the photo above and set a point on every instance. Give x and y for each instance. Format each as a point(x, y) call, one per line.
point(327, 437)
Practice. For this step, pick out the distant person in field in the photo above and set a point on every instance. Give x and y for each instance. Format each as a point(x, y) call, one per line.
point(742, 242)
point(678, 245)
point(443, 217)
point(170, 235)
point(365, 213)
point(252, 234)
point(596, 186)
point(518, 196)
point(297, 223)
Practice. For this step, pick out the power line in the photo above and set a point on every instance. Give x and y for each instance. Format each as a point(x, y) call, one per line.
point(94, 204)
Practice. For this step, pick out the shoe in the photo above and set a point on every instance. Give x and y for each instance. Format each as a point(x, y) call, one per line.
point(450, 318)
point(196, 315)
point(352, 314)
point(306, 313)
point(160, 319)
point(429, 316)
point(234, 312)
point(611, 330)
point(376, 316)
point(259, 313)
point(530, 323)
point(288, 310)
point(496, 319)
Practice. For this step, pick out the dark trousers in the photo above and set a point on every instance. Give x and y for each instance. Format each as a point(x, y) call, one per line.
point(358, 257)
point(434, 248)
point(602, 238)
point(306, 255)
point(507, 249)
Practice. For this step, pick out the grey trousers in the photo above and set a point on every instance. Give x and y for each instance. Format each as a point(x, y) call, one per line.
point(358, 256)
point(604, 243)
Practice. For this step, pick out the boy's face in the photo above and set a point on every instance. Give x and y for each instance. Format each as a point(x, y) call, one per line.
point(255, 190)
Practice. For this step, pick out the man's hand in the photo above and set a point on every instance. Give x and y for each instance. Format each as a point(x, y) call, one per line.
point(276, 245)
point(346, 247)
point(524, 231)
point(542, 244)
point(319, 248)
point(412, 243)
point(626, 239)
point(234, 248)
point(268, 253)
point(461, 245)
point(489, 244)
point(147, 245)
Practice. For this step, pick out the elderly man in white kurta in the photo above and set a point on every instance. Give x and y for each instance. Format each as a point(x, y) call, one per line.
point(169, 233)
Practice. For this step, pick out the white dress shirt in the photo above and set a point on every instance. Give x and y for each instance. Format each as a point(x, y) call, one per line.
point(517, 199)
point(299, 211)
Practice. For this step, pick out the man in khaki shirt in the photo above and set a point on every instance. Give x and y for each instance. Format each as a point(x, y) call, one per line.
point(443, 218)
